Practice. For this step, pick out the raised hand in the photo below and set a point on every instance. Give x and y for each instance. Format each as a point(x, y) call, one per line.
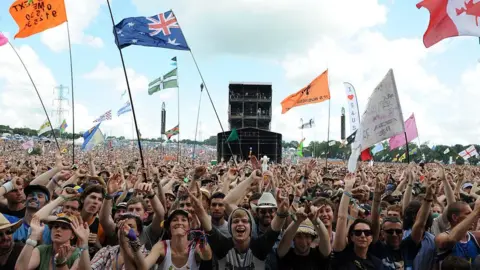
point(350, 180)
point(37, 228)
point(282, 202)
point(81, 230)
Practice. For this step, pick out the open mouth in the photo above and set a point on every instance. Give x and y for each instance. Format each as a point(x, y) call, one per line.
point(241, 231)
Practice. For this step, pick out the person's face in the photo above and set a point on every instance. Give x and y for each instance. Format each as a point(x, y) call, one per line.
point(266, 215)
point(436, 209)
point(133, 225)
point(179, 225)
point(302, 242)
point(326, 215)
point(61, 233)
point(217, 208)
point(149, 206)
point(170, 199)
point(36, 200)
point(15, 196)
point(392, 234)
point(137, 208)
point(464, 212)
point(118, 213)
point(241, 227)
point(6, 238)
point(186, 205)
point(362, 235)
point(71, 208)
point(392, 213)
point(92, 203)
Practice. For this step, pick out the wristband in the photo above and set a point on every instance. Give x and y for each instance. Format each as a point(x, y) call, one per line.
point(348, 194)
point(151, 196)
point(282, 215)
point(83, 248)
point(8, 186)
point(31, 242)
point(108, 197)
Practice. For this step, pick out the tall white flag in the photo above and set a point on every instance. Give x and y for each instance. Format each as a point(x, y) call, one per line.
point(381, 120)
point(353, 110)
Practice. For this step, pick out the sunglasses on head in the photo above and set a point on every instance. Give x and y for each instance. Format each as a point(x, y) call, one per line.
point(392, 231)
point(7, 232)
point(364, 232)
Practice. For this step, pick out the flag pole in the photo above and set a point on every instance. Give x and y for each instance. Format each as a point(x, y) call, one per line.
point(38, 94)
point(408, 152)
point(328, 136)
point(73, 96)
point(128, 86)
point(178, 114)
point(196, 128)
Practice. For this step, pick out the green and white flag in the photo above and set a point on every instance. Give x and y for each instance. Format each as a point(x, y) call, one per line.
point(163, 82)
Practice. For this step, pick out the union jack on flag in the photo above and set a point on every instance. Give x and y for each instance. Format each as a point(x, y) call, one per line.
point(161, 30)
point(106, 116)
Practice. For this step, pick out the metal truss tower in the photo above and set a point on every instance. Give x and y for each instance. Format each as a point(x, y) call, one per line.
point(60, 105)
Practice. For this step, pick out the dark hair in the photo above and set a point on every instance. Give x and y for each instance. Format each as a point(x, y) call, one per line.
point(218, 195)
point(255, 196)
point(395, 208)
point(135, 200)
point(137, 219)
point(324, 201)
point(89, 190)
point(454, 209)
point(410, 215)
point(455, 263)
point(352, 227)
point(391, 220)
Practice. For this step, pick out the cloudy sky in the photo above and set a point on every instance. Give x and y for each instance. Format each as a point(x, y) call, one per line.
point(285, 42)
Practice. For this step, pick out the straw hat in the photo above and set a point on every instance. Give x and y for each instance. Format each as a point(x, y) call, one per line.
point(6, 224)
point(307, 228)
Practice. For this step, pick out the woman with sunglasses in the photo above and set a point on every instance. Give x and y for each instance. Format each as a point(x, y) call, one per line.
point(350, 248)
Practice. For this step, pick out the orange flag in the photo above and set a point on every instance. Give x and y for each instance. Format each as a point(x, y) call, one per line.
point(33, 18)
point(317, 91)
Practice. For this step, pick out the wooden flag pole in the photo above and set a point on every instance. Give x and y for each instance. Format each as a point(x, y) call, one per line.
point(38, 94)
point(73, 95)
point(129, 91)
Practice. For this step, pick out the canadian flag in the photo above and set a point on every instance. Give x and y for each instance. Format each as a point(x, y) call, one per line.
point(451, 18)
point(469, 152)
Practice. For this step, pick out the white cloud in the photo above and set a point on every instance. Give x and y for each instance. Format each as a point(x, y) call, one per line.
point(115, 77)
point(264, 26)
point(80, 15)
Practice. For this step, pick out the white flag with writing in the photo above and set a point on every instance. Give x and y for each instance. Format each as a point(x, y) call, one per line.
point(381, 120)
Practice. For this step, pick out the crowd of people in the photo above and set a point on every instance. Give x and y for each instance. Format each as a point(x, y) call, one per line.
point(110, 210)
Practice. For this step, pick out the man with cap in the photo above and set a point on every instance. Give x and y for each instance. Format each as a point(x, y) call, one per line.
point(170, 254)
point(13, 191)
point(302, 232)
point(9, 249)
point(37, 197)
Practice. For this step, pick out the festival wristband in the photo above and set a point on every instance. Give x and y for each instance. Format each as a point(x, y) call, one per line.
point(348, 194)
point(8, 186)
point(283, 215)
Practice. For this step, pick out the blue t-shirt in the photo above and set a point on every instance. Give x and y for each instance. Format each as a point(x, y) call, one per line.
point(418, 256)
point(23, 232)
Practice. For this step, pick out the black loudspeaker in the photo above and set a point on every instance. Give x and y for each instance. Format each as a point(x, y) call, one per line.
point(260, 142)
point(342, 124)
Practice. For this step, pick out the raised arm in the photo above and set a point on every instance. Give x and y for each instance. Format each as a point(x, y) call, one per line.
point(340, 240)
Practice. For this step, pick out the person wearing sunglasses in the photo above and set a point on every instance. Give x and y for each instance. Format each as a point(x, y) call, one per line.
point(351, 248)
point(9, 249)
point(389, 250)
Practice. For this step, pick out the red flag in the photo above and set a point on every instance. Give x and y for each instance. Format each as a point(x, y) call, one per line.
point(366, 155)
point(450, 19)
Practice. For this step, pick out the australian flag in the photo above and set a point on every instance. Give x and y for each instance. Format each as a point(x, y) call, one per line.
point(160, 30)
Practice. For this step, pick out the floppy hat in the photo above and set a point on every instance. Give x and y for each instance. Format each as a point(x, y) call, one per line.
point(6, 224)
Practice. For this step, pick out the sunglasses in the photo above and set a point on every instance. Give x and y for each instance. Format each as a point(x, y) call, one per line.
point(359, 233)
point(392, 231)
point(268, 210)
point(5, 233)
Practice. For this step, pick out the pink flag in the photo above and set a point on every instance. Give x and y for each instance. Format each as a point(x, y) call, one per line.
point(3, 39)
point(410, 129)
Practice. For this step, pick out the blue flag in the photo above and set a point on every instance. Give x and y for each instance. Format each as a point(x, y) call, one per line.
point(125, 108)
point(92, 137)
point(160, 30)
